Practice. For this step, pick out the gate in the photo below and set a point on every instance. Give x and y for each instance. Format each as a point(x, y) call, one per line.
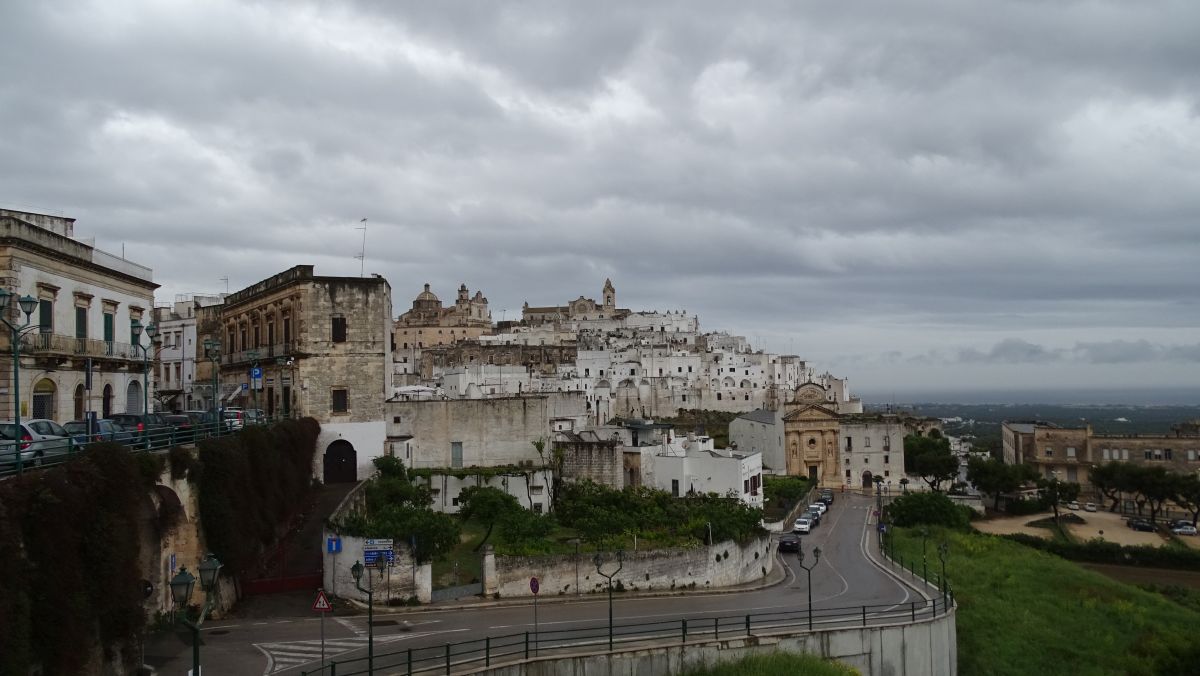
point(452, 593)
point(340, 463)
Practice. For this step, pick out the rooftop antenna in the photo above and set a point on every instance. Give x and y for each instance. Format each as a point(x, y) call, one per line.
point(362, 256)
point(226, 280)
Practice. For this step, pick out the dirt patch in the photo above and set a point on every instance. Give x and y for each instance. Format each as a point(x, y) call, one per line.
point(1140, 575)
point(1113, 528)
point(1014, 524)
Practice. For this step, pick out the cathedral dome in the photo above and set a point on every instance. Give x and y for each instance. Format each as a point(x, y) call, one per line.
point(427, 295)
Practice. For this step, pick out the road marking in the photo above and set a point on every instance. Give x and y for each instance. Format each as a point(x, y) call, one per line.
point(862, 545)
point(285, 655)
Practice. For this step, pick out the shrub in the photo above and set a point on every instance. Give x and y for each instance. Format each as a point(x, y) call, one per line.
point(931, 509)
point(1024, 506)
point(182, 462)
point(1102, 551)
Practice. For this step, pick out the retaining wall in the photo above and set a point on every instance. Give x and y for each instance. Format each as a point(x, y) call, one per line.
point(724, 564)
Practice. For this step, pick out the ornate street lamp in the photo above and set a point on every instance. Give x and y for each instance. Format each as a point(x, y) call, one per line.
point(356, 571)
point(136, 329)
point(599, 561)
point(181, 592)
point(27, 304)
point(212, 350)
point(943, 549)
point(809, 570)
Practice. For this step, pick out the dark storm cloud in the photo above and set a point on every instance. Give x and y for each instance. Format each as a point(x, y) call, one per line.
point(925, 178)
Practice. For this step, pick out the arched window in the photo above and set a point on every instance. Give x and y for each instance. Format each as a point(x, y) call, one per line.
point(107, 405)
point(78, 402)
point(43, 399)
point(133, 397)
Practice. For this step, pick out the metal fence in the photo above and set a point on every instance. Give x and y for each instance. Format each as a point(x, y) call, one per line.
point(497, 650)
point(49, 452)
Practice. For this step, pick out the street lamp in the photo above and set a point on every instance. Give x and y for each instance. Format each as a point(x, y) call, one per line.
point(357, 572)
point(924, 558)
point(212, 350)
point(809, 569)
point(599, 561)
point(252, 355)
point(181, 591)
point(27, 304)
point(136, 328)
point(290, 363)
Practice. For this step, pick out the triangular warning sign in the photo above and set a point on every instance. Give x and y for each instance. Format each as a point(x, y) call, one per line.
point(321, 605)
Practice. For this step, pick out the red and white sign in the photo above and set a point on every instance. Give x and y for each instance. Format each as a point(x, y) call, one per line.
point(322, 605)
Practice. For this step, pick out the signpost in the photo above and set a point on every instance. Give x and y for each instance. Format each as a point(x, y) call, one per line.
point(535, 587)
point(322, 605)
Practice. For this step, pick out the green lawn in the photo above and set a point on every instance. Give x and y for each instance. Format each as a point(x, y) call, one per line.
point(1027, 612)
point(776, 664)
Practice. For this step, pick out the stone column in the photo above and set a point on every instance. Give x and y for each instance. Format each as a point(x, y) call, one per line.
point(491, 583)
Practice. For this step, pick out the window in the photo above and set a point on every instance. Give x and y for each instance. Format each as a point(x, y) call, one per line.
point(1049, 452)
point(229, 346)
point(396, 419)
point(685, 397)
point(339, 329)
point(1124, 453)
point(1167, 455)
point(887, 472)
point(866, 442)
point(45, 316)
point(271, 332)
point(680, 369)
point(847, 472)
point(81, 322)
point(109, 326)
point(1106, 454)
point(887, 444)
point(287, 329)
point(886, 459)
point(745, 485)
point(847, 461)
point(675, 487)
point(340, 403)
point(718, 396)
point(849, 445)
point(537, 508)
point(244, 345)
point(1149, 455)
point(587, 373)
point(633, 372)
point(1192, 456)
point(1070, 451)
point(257, 343)
point(689, 369)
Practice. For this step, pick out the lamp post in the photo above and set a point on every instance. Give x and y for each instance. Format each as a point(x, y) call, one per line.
point(944, 549)
point(252, 355)
point(809, 570)
point(599, 561)
point(357, 572)
point(181, 591)
point(924, 558)
point(136, 328)
point(27, 304)
point(290, 363)
point(212, 350)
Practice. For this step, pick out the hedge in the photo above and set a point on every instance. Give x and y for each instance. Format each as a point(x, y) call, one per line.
point(1101, 551)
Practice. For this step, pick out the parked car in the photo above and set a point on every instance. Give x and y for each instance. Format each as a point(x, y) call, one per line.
point(1089, 507)
point(185, 432)
point(104, 430)
point(1186, 529)
point(802, 525)
point(144, 425)
point(814, 517)
point(789, 543)
point(1072, 505)
point(234, 418)
point(1142, 525)
point(827, 496)
point(34, 447)
point(1175, 523)
point(819, 506)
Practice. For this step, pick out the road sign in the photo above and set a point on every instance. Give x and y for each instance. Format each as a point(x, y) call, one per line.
point(333, 545)
point(377, 543)
point(322, 605)
point(256, 372)
point(373, 556)
point(534, 586)
point(245, 386)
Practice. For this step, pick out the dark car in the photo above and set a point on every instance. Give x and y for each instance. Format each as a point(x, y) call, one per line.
point(1142, 525)
point(826, 498)
point(813, 516)
point(104, 430)
point(789, 543)
point(145, 426)
point(184, 426)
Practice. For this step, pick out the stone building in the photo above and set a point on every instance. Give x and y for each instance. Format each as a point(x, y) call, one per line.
point(872, 445)
point(86, 302)
point(178, 387)
point(810, 432)
point(430, 324)
point(579, 309)
point(1070, 453)
point(323, 345)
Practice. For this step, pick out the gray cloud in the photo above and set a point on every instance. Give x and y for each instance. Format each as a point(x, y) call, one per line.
point(844, 179)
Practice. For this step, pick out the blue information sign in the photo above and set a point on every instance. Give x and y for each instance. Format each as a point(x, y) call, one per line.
point(333, 545)
point(370, 556)
point(256, 372)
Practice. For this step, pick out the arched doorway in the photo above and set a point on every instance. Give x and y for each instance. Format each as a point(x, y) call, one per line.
point(43, 399)
point(133, 397)
point(78, 402)
point(340, 462)
point(867, 479)
point(107, 405)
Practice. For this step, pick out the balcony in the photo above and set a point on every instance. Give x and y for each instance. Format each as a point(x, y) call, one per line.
point(56, 345)
point(265, 353)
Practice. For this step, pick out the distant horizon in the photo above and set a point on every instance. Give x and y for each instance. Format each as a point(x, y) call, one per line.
point(1092, 396)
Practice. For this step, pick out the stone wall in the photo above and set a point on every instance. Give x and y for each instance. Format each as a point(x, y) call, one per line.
point(598, 461)
point(403, 580)
point(724, 564)
point(363, 364)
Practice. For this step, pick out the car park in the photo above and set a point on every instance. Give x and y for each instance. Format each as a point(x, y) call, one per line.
point(802, 525)
point(1185, 529)
point(103, 430)
point(789, 543)
point(1089, 507)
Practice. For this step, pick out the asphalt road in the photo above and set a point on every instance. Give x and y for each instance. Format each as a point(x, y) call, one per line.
point(843, 578)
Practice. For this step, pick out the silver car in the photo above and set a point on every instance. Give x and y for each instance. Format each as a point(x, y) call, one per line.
point(35, 447)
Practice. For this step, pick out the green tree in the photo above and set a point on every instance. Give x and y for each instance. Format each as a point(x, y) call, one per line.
point(996, 478)
point(1111, 479)
point(930, 458)
point(1158, 486)
point(1055, 491)
point(486, 504)
point(1187, 494)
point(933, 509)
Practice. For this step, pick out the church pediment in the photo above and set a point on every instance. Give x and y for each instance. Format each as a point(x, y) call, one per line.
point(811, 412)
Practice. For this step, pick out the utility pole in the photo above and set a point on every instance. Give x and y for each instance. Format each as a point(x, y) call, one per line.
point(362, 256)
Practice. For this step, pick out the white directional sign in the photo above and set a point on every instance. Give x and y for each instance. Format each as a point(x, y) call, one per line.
point(378, 543)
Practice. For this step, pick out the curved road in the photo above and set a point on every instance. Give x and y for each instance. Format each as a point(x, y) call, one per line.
point(844, 578)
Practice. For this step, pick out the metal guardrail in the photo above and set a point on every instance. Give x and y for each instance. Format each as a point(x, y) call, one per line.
point(497, 650)
point(50, 453)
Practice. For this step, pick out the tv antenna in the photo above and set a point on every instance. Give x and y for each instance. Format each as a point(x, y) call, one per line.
point(362, 256)
point(226, 280)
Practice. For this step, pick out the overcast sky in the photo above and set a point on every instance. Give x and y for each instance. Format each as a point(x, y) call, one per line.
point(915, 195)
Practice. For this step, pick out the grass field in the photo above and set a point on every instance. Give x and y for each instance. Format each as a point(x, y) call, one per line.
point(776, 664)
point(1026, 612)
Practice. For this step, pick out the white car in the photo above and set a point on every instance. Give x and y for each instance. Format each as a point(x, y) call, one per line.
point(35, 447)
point(1073, 506)
point(1089, 507)
point(1185, 529)
point(802, 526)
point(819, 506)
